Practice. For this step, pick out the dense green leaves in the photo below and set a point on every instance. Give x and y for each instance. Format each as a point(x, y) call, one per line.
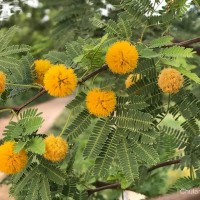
point(97, 139)
point(128, 161)
point(79, 125)
point(108, 152)
point(136, 135)
point(29, 122)
point(133, 119)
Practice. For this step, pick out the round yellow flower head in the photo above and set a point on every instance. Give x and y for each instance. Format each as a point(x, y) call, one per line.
point(100, 103)
point(2, 82)
point(56, 148)
point(60, 81)
point(41, 67)
point(170, 80)
point(11, 162)
point(122, 57)
point(131, 80)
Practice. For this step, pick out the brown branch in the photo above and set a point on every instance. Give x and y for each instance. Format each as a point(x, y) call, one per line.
point(186, 43)
point(106, 187)
point(43, 91)
point(19, 108)
point(192, 194)
point(164, 164)
point(103, 68)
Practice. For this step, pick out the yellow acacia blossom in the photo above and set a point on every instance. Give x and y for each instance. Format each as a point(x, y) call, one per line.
point(131, 80)
point(100, 103)
point(174, 174)
point(11, 162)
point(122, 57)
point(2, 82)
point(170, 80)
point(41, 67)
point(56, 148)
point(60, 81)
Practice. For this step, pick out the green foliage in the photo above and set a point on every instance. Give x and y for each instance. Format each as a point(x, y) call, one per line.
point(160, 42)
point(136, 136)
point(99, 135)
point(177, 51)
point(29, 122)
point(79, 125)
point(107, 154)
point(128, 162)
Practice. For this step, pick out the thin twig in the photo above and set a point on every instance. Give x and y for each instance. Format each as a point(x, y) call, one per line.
point(185, 43)
point(103, 68)
point(17, 109)
point(43, 91)
point(106, 187)
point(164, 164)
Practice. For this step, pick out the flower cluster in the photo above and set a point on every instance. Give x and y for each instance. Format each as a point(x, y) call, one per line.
point(60, 81)
point(122, 57)
point(170, 80)
point(41, 67)
point(100, 103)
point(56, 148)
point(12, 162)
point(2, 82)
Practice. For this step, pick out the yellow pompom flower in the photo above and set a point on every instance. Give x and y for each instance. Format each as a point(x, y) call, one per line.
point(170, 80)
point(41, 67)
point(122, 57)
point(56, 148)
point(11, 162)
point(2, 82)
point(174, 174)
point(100, 103)
point(60, 81)
point(131, 80)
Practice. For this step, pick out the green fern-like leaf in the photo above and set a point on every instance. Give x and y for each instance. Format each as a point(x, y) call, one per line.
point(7, 36)
point(145, 152)
point(33, 192)
point(79, 125)
point(189, 74)
point(133, 102)
point(76, 102)
point(27, 176)
point(186, 104)
point(177, 51)
point(36, 145)
point(185, 183)
point(53, 173)
point(29, 122)
point(108, 151)
point(14, 50)
point(191, 126)
point(44, 190)
point(56, 57)
point(132, 119)
point(97, 139)
point(160, 42)
point(128, 162)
